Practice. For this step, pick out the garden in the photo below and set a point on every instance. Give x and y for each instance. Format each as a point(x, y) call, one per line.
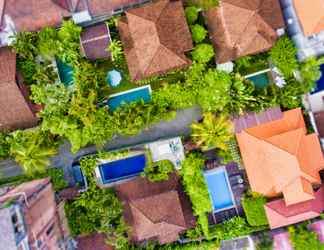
point(76, 113)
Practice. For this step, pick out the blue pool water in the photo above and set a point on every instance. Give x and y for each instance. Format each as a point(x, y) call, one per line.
point(127, 97)
point(122, 169)
point(65, 72)
point(260, 81)
point(320, 82)
point(219, 189)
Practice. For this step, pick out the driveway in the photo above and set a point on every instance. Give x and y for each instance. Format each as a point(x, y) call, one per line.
point(180, 126)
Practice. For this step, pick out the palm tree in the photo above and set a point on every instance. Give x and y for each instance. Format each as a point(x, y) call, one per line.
point(116, 49)
point(212, 132)
point(32, 150)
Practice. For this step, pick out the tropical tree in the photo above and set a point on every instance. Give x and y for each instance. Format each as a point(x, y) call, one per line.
point(24, 44)
point(32, 149)
point(310, 71)
point(212, 132)
point(158, 171)
point(283, 55)
point(4, 145)
point(191, 14)
point(203, 53)
point(116, 49)
point(198, 33)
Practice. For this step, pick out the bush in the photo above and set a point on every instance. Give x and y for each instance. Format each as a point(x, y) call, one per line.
point(283, 55)
point(4, 146)
point(191, 14)
point(198, 33)
point(203, 53)
point(253, 206)
point(302, 238)
point(204, 4)
point(196, 188)
point(158, 171)
point(57, 178)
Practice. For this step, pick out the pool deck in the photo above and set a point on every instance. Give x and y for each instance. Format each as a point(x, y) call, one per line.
point(238, 183)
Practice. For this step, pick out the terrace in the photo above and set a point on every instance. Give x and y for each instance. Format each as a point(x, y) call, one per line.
point(226, 185)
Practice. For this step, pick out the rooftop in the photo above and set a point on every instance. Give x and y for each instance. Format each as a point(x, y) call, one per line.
point(156, 210)
point(149, 47)
point(239, 28)
point(15, 111)
point(280, 158)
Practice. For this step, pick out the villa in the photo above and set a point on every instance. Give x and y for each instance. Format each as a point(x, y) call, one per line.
point(28, 217)
point(240, 28)
point(149, 48)
point(280, 158)
point(305, 26)
point(155, 211)
point(16, 111)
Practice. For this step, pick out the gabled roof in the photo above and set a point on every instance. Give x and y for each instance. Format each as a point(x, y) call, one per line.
point(238, 28)
point(95, 241)
point(279, 157)
point(155, 210)
point(95, 41)
point(279, 215)
point(14, 109)
point(311, 16)
point(149, 47)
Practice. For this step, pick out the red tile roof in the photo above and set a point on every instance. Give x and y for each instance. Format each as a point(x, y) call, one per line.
point(156, 210)
point(238, 28)
point(279, 215)
point(280, 158)
point(93, 241)
point(149, 47)
point(15, 111)
point(33, 15)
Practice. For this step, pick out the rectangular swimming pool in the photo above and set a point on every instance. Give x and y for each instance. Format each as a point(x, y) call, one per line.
point(219, 189)
point(134, 95)
point(320, 82)
point(122, 169)
point(260, 79)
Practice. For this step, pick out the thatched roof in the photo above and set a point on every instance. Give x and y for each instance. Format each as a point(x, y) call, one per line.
point(155, 38)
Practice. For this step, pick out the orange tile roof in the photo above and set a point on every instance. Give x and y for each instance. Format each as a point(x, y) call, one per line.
point(311, 15)
point(280, 158)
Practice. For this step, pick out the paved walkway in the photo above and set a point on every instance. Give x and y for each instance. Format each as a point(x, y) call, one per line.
point(177, 127)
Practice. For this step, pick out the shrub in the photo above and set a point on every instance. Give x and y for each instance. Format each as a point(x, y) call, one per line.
point(57, 178)
point(198, 33)
point(203, 53)
point(158, 171)
point(4, 146)
point(283, 54)
point(204, 4)
point(253, 206)
point(196, 188)
point(191, 14)
point(303, 238)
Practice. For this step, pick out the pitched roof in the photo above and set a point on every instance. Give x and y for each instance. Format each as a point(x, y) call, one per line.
point(311, 16)
point(93, 241)
point(279, 215)
point(14, 109)
point(149, 47)
point(33, 15)
point(319, 120)
point(238, 28)
point(156, 210)
point(95, 41)
point(279, 157)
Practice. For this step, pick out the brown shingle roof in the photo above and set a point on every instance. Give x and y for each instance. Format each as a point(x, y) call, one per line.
point(149, 47)
point(14, 109)
point(93, 241)
point(156, 210)
point(95, 41)
point(238, 28)
point(319, 120)
point(33, 15)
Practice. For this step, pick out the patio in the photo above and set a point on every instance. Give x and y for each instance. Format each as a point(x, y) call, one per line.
point(238, 183)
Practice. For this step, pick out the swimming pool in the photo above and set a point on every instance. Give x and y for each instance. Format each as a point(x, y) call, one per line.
point(122, 169)
point(127, 97)
point(320, 82)
point(66, 72)
point(259, 79)
point(219, 189)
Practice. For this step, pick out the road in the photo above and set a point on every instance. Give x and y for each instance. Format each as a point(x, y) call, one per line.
point(180, 126)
